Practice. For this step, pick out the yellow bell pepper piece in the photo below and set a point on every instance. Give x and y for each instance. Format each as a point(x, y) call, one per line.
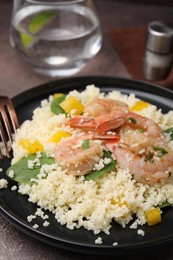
point(57, 95)
point(72, 103)
point(58, 136)
point(139, 106)
point(32, 147)
point(153, 216)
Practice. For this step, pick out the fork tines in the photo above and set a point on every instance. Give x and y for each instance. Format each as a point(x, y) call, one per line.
point(8, 125)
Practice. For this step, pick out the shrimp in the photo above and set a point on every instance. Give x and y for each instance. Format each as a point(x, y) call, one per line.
point(146, 168)
point(143, 150)
point(139, 139)
point(106, 115)
point(100, 124)
point(152, 129)
point(97, 107)
point(70, 155)
point(140, 132)
point(102, 116)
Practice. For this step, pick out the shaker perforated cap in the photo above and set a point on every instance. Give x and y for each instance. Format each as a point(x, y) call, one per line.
point(160, 37)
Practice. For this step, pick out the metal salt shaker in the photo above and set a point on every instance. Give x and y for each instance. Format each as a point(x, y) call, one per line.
point(159, 51)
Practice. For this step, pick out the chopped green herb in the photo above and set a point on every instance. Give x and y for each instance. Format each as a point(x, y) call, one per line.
point(170, 132)
point(161, 152)
point(85, 144)
point(140, 130)
point(169, 174)
point(132, 120)
point(55, 107)
point(149, 157)
point(22, 173)
point(108, 168)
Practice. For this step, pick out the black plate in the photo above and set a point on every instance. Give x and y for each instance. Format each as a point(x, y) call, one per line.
point(16, 207)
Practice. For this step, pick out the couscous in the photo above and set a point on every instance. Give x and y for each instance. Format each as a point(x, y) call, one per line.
point(90, 158)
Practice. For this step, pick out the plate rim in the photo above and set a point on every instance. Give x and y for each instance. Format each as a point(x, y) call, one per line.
point(108, 79)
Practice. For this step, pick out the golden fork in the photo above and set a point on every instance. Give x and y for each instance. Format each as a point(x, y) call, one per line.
point(8, 125)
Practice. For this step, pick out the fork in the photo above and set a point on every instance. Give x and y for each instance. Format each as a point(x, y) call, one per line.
point(8, 125)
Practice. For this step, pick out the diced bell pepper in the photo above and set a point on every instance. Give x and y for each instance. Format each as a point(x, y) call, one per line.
point(153, 216)
point(140, 105)
point(32, 147)
point(55, 138)
point(72, 104)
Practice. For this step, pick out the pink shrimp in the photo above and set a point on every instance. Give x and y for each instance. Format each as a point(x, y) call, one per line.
point(147, 167)
point(140, 132)
point(70, 155)
point(148, 125)
point(143, 149)
point(100, 124)
point(102, 116)
point(98, 107)
point(139, 138)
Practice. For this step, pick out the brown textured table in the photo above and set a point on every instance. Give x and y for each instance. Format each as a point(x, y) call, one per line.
point(17, 76)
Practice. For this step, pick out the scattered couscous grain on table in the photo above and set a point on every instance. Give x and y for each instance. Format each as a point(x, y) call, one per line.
point(90, 158)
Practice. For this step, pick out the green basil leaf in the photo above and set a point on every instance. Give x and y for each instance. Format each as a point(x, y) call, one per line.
point(22, 173)
point(55, 107)
point(165, 204)
point(108, 168)
point(170, 132)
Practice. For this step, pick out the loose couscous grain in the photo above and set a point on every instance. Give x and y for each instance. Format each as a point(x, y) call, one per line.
point(3, 183)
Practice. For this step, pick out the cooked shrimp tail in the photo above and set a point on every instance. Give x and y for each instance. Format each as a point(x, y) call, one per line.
point(109, 122)
point(100, 124)
point(84, 122)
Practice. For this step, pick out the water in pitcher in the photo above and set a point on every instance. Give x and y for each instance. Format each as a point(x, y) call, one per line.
point(55, 41)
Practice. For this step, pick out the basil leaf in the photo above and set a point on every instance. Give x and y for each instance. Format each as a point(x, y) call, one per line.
point(108, 168)
point(85, 144)
point(22, 173)
point(170, 132)
point(165, 204)
point(55, 107)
